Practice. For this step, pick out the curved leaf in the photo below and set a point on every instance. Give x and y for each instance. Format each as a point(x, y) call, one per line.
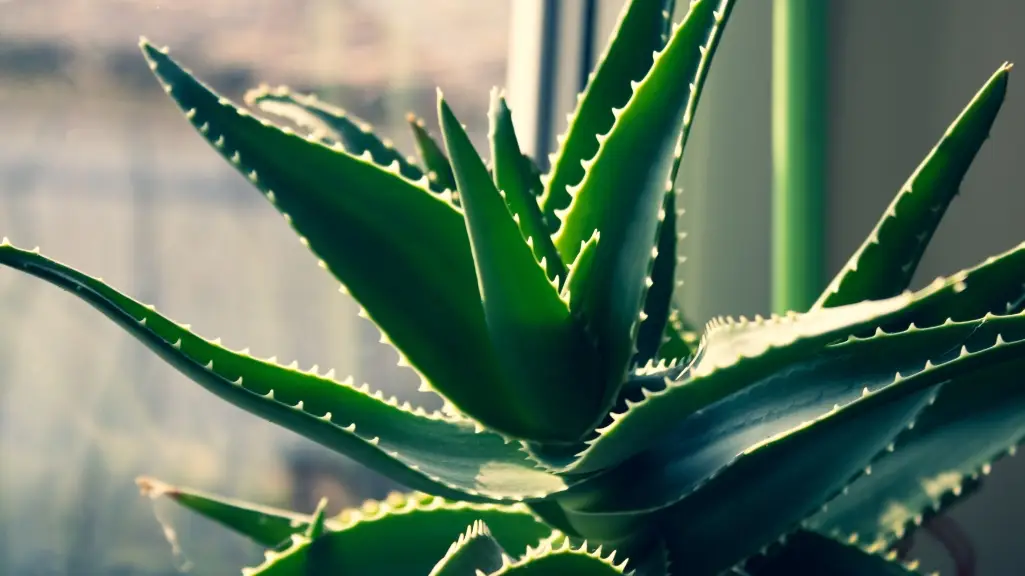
point(264, 525)
point(333, 125)
point(425, 451)
point(424, 529)
point(401, 251)
point(808, 553)
point(625, 206)
point(701, 445)
point(996, 285)
point(475, 552)
point(413, 516)
point(439, 171)
point(732, 356)
point(884, 264)
point(626, 59)
point(775, 485)
point(548, 382)
point(976, 419)
point(514, 178)
point(704, 447)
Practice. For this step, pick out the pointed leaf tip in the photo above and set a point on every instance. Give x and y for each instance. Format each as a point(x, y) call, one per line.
point(648, 134)
point(886, 261)
point(539, 343)
point(446, 456)
point(426, 299)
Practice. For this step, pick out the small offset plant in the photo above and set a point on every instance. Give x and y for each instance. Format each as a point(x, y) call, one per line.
point(588, 429)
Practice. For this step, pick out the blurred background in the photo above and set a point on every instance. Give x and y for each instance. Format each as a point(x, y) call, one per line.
point(98, 167)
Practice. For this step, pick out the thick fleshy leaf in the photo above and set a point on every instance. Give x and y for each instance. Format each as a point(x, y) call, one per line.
point(702, 444)
point(415, 517)
point(425, 451)
point(996, 285)
point(976, 419)
point(515, 180)
point(264, 525)
point(625, 206)
point(658, 301)
point(333, 125)
point(809, 553)
point(401, 251)
point(733, 356)
point(886, 261)
point(411, 538)
point(439, 170)
point(777, 484)
point(626, 59)
point(705, 446)
point(549, 379)
point(475, 552)
point(773, 404)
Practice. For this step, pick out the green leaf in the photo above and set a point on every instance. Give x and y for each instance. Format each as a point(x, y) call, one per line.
point(969, 295)
point(410, 538)
point(625, 205)
point(659, 299)
point(775, 485)
point(439, 170)
point(797, 472)
point(557, 557)
point(703, 446)
point(626, 59)
point(514, 178)
point(808, 553)
point(886, 261)
point(541, 346)
point(401, 514)
point(264, 525)
point(733, 355)
point(425, 451)
point(996, 285)
point(401, 251)
point(475, 552)
point(976, 419)
point(700, 445)
point(334, 125)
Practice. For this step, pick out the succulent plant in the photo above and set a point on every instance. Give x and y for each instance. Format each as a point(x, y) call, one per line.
point(588, 429)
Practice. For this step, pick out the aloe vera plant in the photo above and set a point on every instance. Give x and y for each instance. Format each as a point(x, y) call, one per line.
point(588, 428)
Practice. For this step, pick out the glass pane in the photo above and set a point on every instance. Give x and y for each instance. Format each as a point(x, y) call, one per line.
point(99, 168)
